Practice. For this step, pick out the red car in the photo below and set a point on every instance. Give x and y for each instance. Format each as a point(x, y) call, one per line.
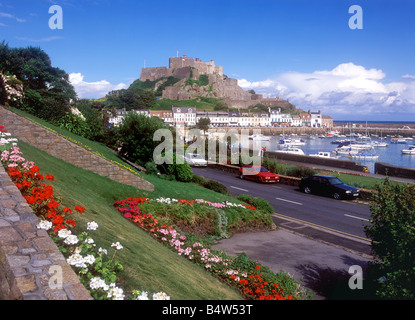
point(258, 173)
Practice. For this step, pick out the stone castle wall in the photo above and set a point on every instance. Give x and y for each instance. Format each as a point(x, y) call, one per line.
point(57, 146)
point(220, 86)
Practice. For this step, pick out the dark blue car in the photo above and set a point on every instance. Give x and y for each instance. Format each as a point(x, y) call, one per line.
point(328, 186)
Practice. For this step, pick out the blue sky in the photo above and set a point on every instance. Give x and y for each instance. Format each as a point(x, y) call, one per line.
point(301, 50)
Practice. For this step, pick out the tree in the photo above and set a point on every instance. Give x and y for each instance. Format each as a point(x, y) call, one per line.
point(203, 124)
point(49, 91)
point(392, 231)
point(136, 132)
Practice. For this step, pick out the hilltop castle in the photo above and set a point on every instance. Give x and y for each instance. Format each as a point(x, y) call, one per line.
point(180, 67)
point(220, 85)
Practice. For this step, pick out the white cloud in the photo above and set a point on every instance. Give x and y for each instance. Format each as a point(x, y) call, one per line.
point(346, 89)
point(92, 90)
point(10, 16)
point(48, 39)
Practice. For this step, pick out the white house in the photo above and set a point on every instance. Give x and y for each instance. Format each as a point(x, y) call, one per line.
point(121, 113)
point(316, 118)
point(184, 116)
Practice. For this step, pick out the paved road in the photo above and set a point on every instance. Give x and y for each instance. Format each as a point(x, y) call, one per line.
point(322, 268)
point(317, 256)
point(321, 218)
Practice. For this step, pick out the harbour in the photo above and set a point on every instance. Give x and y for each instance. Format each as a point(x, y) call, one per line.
point(385, 149)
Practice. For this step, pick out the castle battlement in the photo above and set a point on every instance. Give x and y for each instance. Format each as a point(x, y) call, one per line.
point(180, 67)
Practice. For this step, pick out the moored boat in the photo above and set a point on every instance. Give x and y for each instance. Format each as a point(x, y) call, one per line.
point(292, 151)
point(410, 150)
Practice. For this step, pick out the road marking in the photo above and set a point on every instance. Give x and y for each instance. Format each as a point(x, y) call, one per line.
point(239, 189)
point(348, 215)
point(298, 203)
point(320, 226)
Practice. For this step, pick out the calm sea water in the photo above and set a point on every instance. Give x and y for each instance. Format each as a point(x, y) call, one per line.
point(391, 154)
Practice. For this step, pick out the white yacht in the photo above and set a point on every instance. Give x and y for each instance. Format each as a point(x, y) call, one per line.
point(363, 155)
point(288, 143)
point(259, 137)
point(323, 154)
point(292, 151)
point(410, 150)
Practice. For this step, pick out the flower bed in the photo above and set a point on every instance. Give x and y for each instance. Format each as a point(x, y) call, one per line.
point(204, 218)
point(96, 270)
point(250, 278)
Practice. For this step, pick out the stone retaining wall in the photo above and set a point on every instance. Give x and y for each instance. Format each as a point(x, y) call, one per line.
point(57, 146)
point(29, 259)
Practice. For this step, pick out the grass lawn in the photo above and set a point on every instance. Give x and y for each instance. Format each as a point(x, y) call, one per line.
point(148, 265)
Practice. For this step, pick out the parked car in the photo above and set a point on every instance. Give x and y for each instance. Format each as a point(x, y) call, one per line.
point(259, 174)
point(195, 159)
point(328, 186)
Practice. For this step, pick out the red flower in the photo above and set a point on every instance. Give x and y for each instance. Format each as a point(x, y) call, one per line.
point(80, 209)
point(50, 177)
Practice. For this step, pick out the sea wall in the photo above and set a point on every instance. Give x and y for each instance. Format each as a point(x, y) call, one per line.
point(394, 171)
point(57, 146)
point(30, 262)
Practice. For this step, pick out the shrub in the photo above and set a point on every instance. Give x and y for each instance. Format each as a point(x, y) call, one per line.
point(274, 166)
point(392, 232)
point(300, 172)
point(136, 132)
point(198, 180)
point(181, 172)
point(151, 168)
point(75, 124)
point(259, 203)
point(215, 186)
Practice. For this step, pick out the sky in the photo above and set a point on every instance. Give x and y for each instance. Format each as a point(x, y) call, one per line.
point(305, 51)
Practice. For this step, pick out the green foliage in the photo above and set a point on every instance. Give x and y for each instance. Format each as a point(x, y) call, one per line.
point(392, 232)
point(139, 95)
point(94, 114)
point(74, 124)
point(210, 184)
point(53, 107)
point(203, 124)
point(136, 132)
point(258, 203)
point(181, 172)
point(47, 90)
point(299, 172)
point(222, 224)
point(170, 81)
point(215, 186)
point(151, 168)
point(203, 80)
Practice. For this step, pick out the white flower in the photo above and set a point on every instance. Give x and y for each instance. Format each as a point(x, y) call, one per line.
point(143, 296)
point(92, 226)
point(115, 293)
point(44, 224)
point(64, 233)
point(76, 260)
point(117, 246)
point(90, 259)
point(89, 241)
point(71, 239)
point(98, 283)
point(160, 296)
point(101, 250)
